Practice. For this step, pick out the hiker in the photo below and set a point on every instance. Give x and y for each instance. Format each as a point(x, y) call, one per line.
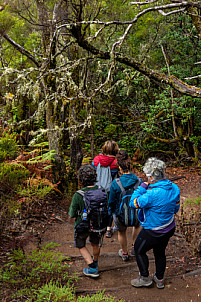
point(158, 200)
point(128, 180)
point(87, 177)
point(108, 162)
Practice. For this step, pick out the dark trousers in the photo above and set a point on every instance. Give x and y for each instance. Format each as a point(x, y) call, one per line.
point(146, 241)
point(110, 220)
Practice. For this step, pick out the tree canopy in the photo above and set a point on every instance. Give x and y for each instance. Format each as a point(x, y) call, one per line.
point(78, 70)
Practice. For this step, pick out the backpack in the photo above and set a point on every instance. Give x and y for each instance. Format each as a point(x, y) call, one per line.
point(104, 177)
point(127, 216)
point(96, 205)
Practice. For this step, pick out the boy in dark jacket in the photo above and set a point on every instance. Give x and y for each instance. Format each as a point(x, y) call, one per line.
point(87, 177)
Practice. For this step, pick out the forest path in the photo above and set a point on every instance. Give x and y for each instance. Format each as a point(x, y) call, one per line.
point(183, 272)
point(183, 269)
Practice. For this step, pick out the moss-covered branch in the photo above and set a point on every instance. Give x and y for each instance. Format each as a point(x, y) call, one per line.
point(155, 75)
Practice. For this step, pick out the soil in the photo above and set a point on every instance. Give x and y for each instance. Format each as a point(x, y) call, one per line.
point(183, 269)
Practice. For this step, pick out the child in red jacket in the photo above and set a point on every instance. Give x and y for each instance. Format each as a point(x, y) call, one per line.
point(108, 159)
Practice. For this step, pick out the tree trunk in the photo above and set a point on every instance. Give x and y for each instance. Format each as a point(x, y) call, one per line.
point(53, 104)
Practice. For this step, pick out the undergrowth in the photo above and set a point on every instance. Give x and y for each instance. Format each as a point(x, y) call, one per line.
point(42, 275)
point(189, 223)
point(8, 147)
point(24, 274)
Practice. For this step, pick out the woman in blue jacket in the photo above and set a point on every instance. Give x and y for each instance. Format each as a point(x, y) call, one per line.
point(157, 200)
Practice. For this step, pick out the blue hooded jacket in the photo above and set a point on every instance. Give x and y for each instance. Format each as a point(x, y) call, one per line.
point(128, 181)
point(158, 204)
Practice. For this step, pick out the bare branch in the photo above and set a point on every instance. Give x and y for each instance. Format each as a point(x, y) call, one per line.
point(195, 77)
point(21, 49)
point(143, 3)
point(172, 12)
point(97, 33)
point(115, 22)
point(57, 7)
point(120, 41)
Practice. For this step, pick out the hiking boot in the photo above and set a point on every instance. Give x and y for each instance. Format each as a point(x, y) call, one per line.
point(108, 234)
point(125, 257)
point(141, 282)
point(91, 272)
point(132, 251)
point(159, 283)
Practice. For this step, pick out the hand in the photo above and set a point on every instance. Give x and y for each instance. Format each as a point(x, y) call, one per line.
point(150, 179)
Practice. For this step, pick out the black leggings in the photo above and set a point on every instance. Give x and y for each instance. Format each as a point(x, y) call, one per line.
point(146, 241)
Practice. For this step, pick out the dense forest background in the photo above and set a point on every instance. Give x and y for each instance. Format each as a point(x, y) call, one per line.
point(78, 73)
point(75, 73)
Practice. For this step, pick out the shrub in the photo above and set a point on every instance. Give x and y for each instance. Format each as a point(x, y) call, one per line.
point(54, 292)
point(42, 275)
point(24, 274)
point(12, 174)
point(3, 155)
point(8, 147)
point(37, 190)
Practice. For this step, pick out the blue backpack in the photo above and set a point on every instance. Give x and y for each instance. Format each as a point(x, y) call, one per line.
point(127, 216)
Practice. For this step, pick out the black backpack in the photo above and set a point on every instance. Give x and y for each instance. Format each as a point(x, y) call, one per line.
point(96, 204)
point(127, 216)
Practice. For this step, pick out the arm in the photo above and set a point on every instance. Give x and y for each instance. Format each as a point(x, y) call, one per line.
point(74, 207)
point(141, 197)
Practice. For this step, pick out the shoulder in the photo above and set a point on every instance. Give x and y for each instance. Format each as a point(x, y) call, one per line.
point(96, 160)
point(77, 197)
point(115, 186)
point(175, 187)
point(114, 165)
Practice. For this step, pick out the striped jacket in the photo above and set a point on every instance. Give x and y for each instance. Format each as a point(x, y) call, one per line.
point(157, 203)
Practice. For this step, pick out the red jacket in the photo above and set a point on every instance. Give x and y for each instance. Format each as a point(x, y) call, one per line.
point(105, 161)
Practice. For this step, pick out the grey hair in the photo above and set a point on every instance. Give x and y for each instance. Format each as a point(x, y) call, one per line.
point(154, 167)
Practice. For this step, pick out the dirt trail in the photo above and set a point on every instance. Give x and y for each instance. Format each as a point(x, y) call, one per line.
point(183, 269)
point(115, 275)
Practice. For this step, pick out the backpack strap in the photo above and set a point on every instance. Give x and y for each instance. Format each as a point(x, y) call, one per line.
point(80, 192)
point(122, 188)
point(137, 184)
point(120, 184)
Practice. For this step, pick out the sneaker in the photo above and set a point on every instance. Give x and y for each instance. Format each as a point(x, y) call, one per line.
point(108, 234)
point(159, 283)
point(141, 282)
point(132, 251)
point(125, 257)
point(91, 272)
